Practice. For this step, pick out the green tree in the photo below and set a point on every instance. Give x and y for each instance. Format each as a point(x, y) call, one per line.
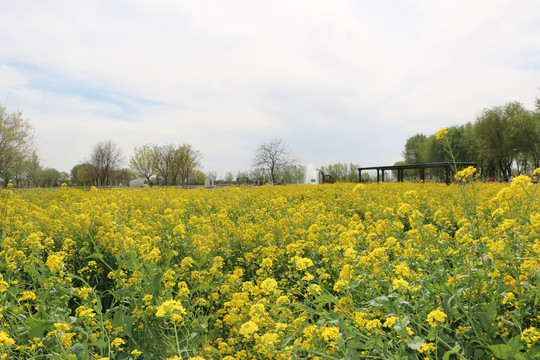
point(142, 163)
point(85, 175)
point(414, 150)
point(189, 162)
point(526, 139)
point(259, 176)
point(341, 172)
point(174, 163)
point(294, 174)
point(32, 170)
point(122, 177)
point(164, 161)
point(50, 177)
point(198, 178)
point(229, 178)
point(74, 179)
point(497, 149)
point(243, 177)
point(337, 171)
point(16, 141)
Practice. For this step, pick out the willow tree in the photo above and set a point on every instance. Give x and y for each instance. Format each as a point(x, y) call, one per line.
point(142, 163)
point(494, 127)
point(16, 140)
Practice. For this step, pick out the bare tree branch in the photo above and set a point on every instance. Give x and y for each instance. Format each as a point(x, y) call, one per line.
point(106, 157)
point(273, 157)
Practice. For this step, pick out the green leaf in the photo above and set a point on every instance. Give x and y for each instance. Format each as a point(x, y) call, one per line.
point(454, 350)
point(199, 329)
point(95, 256)
point(100, 344)
point(486, 323)
point(506, 352)
point(37, 331)
point(156, 283)
point(123, 320)
point(516, 343)
point(352, 353)
point(416, 343)
point(401, 326)
point(534, 352)
point(501, 351)
point(379, 301)
point(324, 299)
point(78, 349)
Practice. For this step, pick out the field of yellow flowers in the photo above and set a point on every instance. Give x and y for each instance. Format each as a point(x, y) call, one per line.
point(343, 271)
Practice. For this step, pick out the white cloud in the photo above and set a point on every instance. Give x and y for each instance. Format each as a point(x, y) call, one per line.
point(343, 81)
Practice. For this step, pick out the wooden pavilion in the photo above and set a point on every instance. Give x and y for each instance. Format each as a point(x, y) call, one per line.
point(420, 167)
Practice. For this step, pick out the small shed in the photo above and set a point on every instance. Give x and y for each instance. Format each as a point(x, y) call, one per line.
point(139, 182)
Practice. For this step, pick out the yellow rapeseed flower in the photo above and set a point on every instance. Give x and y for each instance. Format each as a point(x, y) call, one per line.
point(441, 133)
point(5, 340)
point(136, 352)
point(521, 180)
point(117, 343)
point(530, 336)
point(330, 333)
point(83, 312)
point(315, 289)
point(427, 348)
point(390, 321)
point(465, 174)
point(436, 316)
point(400, 285)
point(66, 339)
point(269, 285)
point(169, 307)
point(187, 262)
point(27, 295)
point(303, 263)
point(248, 329)
point(55, 262)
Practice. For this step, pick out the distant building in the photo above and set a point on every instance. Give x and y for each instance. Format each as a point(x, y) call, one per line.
point(139, 182)
point(209, 182)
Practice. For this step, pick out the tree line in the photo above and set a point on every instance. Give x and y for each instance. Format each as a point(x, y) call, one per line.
point(19, 162)
point(174, 164)
point(159, 164)
point(503, 140)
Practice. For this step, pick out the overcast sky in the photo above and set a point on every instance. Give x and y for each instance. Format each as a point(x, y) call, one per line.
point(339, 81)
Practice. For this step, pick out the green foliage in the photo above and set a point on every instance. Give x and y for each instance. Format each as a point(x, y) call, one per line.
point(16, 141)
point(173, 164)
point(501, 139)
point(342, 172)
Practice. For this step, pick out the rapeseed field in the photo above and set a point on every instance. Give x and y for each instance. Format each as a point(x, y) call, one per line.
point(343, 271)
